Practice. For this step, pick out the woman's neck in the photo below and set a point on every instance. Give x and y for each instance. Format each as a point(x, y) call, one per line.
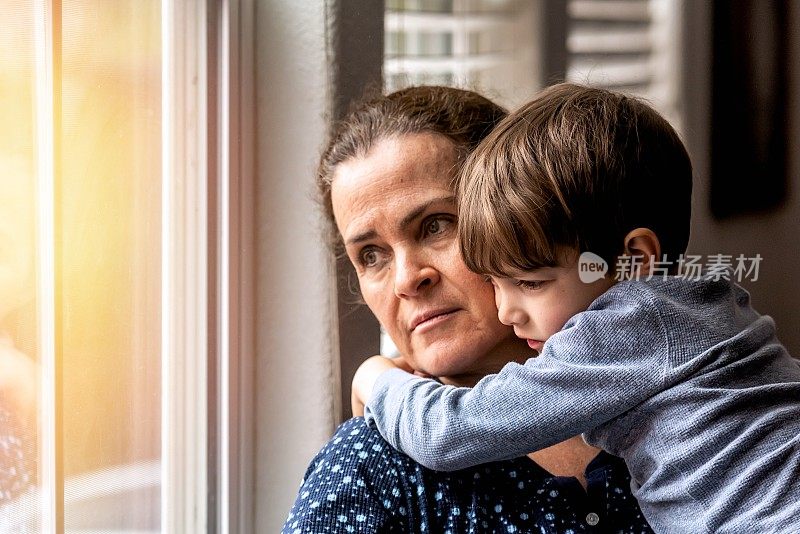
point(567, 459)
point(510, 349)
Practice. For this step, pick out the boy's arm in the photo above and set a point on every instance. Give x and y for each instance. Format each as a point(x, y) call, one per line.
point(572, 387)
point(365, 377)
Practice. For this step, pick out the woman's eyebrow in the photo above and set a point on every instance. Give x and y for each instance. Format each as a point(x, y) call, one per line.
point(363, 236)
point(406, 221)
point(414, 214)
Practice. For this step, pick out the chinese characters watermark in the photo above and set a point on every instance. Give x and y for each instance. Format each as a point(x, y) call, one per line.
point(692, 267)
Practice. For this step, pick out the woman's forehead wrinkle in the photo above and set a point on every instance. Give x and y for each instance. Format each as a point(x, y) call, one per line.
point(367, 212)
point(416, 212)
point(392, 186)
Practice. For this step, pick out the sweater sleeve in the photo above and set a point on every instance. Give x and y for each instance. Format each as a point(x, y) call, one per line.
point(605, 361)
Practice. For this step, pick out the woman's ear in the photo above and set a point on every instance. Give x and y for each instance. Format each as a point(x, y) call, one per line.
point(643, 247)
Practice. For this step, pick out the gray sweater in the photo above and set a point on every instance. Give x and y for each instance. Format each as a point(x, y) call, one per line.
point(681, 378)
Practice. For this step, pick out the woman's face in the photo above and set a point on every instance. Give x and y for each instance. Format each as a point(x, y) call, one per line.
point(396, 213)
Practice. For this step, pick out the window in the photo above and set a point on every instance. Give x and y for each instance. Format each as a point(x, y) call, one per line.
point(485, 45)
point(627, 45)
point(122, 163)
point(87, 177)
point(507, 49)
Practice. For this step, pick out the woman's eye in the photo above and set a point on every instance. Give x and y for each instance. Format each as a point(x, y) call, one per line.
point(436, 225)
point(530, 284)
point(368, 257)
point(371, 257)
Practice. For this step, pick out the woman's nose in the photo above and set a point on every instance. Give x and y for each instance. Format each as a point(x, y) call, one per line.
point(414, 274)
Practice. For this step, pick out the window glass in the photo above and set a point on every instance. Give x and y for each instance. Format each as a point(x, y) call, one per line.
point(102, 207)
point(628, 45)
point(109, 248)
point(18, 302)
point(484, 45)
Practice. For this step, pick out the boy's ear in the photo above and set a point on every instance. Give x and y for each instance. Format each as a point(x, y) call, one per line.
point(643, 244)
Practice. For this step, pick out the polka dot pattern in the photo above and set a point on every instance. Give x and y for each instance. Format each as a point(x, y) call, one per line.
point(385, 491)
point(16, 468)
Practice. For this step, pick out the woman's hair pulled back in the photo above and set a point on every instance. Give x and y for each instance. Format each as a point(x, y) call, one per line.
point(464, 117)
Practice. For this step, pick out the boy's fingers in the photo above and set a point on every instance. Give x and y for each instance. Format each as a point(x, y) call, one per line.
point(357, 406)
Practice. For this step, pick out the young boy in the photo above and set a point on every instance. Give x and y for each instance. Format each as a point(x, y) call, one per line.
point(679, 376)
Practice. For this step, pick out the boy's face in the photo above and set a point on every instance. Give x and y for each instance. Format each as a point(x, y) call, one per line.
point(538, 303)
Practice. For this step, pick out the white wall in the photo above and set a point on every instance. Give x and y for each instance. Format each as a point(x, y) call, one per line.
point(295, 372)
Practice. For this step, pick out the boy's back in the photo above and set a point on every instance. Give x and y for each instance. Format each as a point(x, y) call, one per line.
point(720, 439)
point(680, 378)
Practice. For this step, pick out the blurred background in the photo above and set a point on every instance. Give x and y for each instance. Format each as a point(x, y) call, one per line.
point(82, 265)
point(90, 230)
point(721, 72)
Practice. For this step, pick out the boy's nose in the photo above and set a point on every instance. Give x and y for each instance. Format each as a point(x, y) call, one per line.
point(507, 312)
point(511, 317)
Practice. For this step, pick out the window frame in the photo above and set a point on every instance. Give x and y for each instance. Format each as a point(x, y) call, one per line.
point(207, 266)
point(208, 342)
point(47, 113)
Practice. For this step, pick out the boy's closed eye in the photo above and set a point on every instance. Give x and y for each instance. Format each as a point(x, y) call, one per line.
point(531, 284)
point(521, 283)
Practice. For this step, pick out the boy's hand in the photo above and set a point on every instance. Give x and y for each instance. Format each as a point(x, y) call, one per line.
point(365, 377)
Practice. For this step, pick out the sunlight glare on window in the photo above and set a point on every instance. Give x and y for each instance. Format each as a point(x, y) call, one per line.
point(103, 218)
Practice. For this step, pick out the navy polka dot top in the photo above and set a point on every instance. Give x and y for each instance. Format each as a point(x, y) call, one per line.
point(359, 483)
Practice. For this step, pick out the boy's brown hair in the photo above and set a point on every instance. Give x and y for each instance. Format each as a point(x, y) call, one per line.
point(577, 167)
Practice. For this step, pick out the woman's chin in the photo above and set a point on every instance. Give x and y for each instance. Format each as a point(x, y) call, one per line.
point(443, 367)
point(448, 356)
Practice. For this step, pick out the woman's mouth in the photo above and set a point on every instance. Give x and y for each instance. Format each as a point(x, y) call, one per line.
point(428, 320)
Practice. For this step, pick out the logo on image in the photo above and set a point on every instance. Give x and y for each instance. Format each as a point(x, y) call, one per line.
point(591, 267)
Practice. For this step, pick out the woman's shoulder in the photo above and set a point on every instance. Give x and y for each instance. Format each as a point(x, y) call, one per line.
point(356, 481)
point(358, 449)
point(356, 430)
point(356, 440)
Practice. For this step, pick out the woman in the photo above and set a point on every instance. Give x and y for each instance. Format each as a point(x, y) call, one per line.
point(385, 180)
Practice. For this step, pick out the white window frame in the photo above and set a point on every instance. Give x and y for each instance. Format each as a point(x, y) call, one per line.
point(208, 259)
point(297, 346)
point(207, 339)
point(184, 251)
point(47, 112)
point(235, 488)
